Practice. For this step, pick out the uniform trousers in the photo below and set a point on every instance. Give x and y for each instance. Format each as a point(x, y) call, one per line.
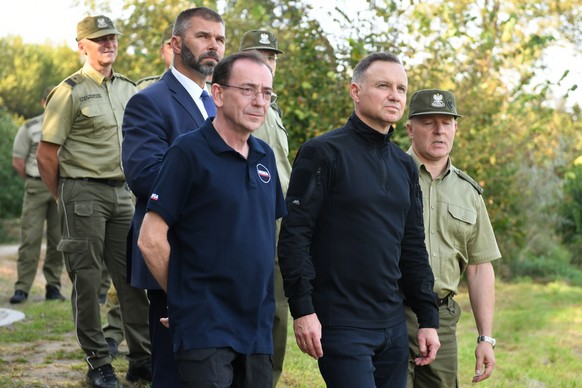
point(443, 371)
point(364, 358)
point(38, 205)
point(95, 220)
point(114, 326)
point(279, 325)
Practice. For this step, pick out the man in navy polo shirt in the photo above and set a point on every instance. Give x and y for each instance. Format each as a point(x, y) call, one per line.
point(208, 237)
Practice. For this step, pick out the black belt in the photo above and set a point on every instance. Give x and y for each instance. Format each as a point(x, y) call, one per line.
point(445, 300)
point(109, 182)
point(37, 178)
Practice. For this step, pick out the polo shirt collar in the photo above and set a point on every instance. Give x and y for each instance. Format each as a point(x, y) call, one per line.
point(218, 145)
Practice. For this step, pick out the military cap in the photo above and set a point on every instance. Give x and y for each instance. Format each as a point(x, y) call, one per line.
point(432, 102)
point(92, 27)
point(259, 40)
point(167, 34)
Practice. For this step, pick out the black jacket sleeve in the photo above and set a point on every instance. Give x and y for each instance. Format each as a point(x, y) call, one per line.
point(417, 281)
point(304, 199)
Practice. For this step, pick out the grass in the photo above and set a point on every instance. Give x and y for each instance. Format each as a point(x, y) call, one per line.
point(537, 326)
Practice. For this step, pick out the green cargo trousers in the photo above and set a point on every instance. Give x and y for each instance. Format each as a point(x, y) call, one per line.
point(95, 218)
point(38, 205)
point(443, 371)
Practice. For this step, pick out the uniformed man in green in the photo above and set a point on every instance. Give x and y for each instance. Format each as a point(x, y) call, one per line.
point(167, 55)
point(79, 159)
point(37, 206)
point(274, 133)
point(459, 239)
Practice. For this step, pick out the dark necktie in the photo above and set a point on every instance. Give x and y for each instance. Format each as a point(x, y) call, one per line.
point(208, 104)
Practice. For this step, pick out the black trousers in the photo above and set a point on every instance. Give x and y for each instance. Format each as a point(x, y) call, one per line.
point(165, 372)
point(224, 368)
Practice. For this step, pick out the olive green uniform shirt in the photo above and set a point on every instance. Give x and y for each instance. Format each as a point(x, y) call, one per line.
point(147, 81)
point(83, 115)
point(26, 144)
point(457, 226)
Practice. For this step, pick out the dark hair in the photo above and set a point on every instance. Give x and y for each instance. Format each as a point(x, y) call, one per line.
point(184, 20)
point(223, 70)
point(365, 63)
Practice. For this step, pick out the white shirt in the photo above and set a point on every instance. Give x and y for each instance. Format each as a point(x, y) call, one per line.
point(193, 90)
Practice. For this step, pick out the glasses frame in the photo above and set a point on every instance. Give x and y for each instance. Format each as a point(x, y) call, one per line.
point(251, 93)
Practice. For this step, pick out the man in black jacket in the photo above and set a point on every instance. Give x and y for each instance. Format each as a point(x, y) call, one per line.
point(352, 245)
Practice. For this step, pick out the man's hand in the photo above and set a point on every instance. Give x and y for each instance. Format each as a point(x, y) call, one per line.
point(428, 344)
point(308, 335)
point(165, 322)
point(484, 361)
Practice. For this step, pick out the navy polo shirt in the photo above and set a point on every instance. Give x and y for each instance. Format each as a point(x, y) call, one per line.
point(221, 210)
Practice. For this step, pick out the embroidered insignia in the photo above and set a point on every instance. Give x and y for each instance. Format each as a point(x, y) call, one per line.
point(154, 197)
point(102, 23)
point(263, 173)
point(437, 100)
point(264, 39)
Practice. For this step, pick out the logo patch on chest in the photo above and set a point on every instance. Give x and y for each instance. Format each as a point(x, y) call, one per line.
point(263, 173)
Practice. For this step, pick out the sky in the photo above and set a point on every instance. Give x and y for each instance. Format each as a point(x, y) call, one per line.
point(55, 21)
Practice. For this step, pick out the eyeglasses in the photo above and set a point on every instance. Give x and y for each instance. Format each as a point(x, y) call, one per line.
point(252, 93)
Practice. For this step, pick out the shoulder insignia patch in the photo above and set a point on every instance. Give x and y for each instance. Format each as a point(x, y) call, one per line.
point(74, 80)
point(462, 174)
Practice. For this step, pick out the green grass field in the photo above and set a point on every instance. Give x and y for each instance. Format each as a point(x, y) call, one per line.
point(537, 326)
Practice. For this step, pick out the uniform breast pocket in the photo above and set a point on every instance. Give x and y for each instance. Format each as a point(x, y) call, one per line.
point(461, 222)
point(98, 120)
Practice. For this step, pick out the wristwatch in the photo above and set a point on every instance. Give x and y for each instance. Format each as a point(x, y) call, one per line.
point(484, 338)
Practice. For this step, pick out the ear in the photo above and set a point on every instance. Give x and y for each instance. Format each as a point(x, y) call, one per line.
point(176, 43)
point(355, 92)
point(217, 94)
point(409, 130)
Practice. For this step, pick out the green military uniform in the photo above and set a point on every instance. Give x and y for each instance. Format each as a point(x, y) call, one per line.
point(273, 132)
point(458, 232)
point(38, 206)
point(147, 81)
point(84, 116)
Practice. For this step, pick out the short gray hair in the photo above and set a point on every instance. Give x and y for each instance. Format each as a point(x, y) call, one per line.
point(365, 63)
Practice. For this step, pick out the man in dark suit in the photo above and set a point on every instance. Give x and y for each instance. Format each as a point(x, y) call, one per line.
point(153, 118)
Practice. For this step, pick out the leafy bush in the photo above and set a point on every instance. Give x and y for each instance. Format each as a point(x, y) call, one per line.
point(12, 187)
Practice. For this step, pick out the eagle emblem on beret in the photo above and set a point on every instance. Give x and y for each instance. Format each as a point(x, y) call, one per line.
point(102, 23)
point(265, 39)
point(437, 100)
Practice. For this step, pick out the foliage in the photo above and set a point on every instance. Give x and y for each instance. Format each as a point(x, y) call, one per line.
point(516, 138)
point(27, 69)
point(12, 187)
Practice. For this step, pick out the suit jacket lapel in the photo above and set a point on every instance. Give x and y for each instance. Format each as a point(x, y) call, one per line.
point(183, 98)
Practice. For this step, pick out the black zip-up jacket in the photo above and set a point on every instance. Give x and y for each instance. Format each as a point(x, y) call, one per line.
point(352, 243)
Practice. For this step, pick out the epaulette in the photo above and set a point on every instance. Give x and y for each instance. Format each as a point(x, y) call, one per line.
point(472, 181)
point(74, 80)
point(118, 75)
point(148, 79)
